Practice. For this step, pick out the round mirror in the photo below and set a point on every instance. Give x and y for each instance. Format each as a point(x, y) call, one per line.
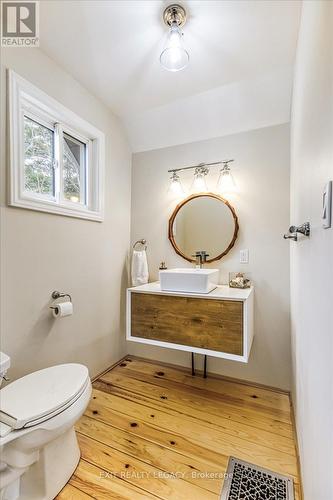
point(203, 222)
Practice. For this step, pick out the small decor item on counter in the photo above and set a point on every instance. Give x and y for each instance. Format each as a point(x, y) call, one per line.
point(163, 266)
point(239, 280)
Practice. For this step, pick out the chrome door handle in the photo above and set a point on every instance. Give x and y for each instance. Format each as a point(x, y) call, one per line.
point(292, 236)
point(303, 229)
point(293, 230)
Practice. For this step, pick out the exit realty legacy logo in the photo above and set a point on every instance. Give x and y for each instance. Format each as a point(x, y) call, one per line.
point(20, 24)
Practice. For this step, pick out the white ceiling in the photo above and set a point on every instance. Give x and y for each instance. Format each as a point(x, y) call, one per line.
point(112, 47)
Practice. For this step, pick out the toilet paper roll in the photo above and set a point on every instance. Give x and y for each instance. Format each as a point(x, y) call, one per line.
point(63, 309)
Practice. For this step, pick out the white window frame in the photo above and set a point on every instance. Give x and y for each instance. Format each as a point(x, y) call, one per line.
point(27, 100)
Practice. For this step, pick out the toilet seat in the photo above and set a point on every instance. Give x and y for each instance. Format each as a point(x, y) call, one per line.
point(41, 395)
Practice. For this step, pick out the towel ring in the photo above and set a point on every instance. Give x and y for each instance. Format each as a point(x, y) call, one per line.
point(140, 242)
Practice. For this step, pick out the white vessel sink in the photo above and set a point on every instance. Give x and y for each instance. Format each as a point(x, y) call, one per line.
point(189, 280)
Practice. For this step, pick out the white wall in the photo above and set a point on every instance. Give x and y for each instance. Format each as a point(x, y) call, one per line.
point(43, 252)
point(258, 102)
point(312, 259)
point(261, 169)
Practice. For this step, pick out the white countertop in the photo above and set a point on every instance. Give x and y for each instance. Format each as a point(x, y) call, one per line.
point(220, 292)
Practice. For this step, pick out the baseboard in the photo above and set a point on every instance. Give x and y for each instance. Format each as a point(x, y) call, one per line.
point(293, 418)
point(108, 369)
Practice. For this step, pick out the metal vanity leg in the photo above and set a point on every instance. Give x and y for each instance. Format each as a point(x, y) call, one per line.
point(192, 357)
point(205, 367)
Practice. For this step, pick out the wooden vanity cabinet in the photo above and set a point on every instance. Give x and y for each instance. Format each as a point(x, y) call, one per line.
point(217, 324)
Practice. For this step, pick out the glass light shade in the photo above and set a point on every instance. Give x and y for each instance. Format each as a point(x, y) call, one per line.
point(174, 57)
point(226, 183)
point(176, 187)
point(199, 183)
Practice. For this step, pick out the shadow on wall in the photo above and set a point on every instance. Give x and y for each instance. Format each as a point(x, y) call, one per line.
point(42, 327)
point(125, 283)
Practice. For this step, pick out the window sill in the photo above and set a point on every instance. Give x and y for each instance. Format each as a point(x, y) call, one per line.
point(57, 209)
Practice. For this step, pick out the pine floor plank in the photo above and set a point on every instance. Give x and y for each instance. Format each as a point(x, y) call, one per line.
point(297, 491)
point(218, 405)
point(152, 453)
point(154, 431)
point(95, 482)
point(205, 411)
point(154, 434)
point(251, 395)
point(208, 396)
point(196, 432)
point(139, 473)
point(69, 492)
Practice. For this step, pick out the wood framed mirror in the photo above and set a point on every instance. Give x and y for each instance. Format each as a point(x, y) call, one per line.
point(203, 222)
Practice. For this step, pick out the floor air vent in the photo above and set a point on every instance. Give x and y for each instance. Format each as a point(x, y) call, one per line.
point(245, 481)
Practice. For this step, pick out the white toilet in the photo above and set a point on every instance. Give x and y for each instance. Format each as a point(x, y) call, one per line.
point(38, 446)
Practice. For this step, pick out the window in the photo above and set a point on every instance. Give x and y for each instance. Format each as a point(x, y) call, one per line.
point(38, 158)
point(56, 158)
point(74, 170)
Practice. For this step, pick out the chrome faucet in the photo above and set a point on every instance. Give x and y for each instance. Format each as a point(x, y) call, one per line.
point(200, 258)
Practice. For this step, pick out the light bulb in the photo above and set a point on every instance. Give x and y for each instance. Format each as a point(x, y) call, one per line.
point(176, 187)
point(226, 183)
point(174, 57)
point(199, 182)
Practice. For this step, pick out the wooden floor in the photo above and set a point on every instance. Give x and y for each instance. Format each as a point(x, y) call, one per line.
point(154, 431)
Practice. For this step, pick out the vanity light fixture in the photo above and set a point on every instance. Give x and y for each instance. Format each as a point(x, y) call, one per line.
point(199, 181)
point(226, 183)
point(176, 187)
point(174, 57)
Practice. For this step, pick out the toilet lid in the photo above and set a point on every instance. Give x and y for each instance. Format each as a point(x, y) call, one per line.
point(39, 395)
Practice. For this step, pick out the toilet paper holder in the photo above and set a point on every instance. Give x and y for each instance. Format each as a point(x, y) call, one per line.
point(59, 295)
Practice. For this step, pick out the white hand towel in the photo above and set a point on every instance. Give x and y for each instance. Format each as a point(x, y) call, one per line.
point(139, 268)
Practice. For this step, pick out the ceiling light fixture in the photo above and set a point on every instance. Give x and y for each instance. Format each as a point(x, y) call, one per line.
point(174, 57)
point(226, 183)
